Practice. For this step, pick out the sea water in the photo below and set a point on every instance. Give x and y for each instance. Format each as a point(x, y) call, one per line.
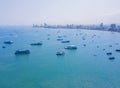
point(86, 67)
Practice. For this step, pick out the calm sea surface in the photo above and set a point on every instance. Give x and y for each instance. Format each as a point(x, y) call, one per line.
point(86, 67)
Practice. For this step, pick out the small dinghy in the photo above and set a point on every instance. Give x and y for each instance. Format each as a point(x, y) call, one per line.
point(38, 43)
point(61, 52)
point(8, 42)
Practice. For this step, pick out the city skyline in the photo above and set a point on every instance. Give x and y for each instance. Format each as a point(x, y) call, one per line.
point(28, 12)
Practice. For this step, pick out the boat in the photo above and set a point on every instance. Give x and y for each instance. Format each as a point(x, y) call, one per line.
point(38, 43)
point(110, 45)
point(111, 58)
point(61, 52)
point(59, 36)
point(109, 53)
point(117, 50)
point(84, 44)
point(8, 42)
point(48, 35)
point(3, 47)
point(70, 47)
point(65, 41)
point(22, 52)
point(103, 49)
point(59, 39)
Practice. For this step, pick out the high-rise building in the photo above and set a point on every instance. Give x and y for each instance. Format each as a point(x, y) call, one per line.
point(113, 27)
point(101, 26)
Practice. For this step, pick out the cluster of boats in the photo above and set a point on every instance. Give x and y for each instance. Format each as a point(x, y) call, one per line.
point(63, 41)
point(17, 52)
point(7, 42)
point(110, 53)
point(27, 51)
point(61, 52)
point(69, 47)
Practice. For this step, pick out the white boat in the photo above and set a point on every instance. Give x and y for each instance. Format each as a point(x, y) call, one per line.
point(70, 47)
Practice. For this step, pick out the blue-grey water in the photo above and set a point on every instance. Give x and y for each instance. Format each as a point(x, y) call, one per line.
point(86, 67)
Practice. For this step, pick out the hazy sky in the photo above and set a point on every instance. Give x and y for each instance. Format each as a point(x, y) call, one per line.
point(28, 12)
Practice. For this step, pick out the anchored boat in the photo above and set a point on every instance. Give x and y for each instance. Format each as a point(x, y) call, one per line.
point(22, 52)
point(65, 41)
point(70, 47)
point(8, 42)
point(38, 43)
point(61, 52)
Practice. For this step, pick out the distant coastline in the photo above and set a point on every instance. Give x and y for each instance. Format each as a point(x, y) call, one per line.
point(101, 26)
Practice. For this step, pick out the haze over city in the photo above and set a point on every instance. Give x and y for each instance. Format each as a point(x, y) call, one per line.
point(28, 12)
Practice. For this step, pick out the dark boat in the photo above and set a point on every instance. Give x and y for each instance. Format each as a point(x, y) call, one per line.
point(8, 42)
point(65, 41)
point(103, 49)
point(84, 44)
point(3, 47)
point(94, 55)
point(38, 43)
point(109, 53)
point(48, 34)
point(70, 47)
point(111, 58)
point(117, 50)
point(22, 52)
point(61, 52)
point(110, 45)
point(59, 39)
